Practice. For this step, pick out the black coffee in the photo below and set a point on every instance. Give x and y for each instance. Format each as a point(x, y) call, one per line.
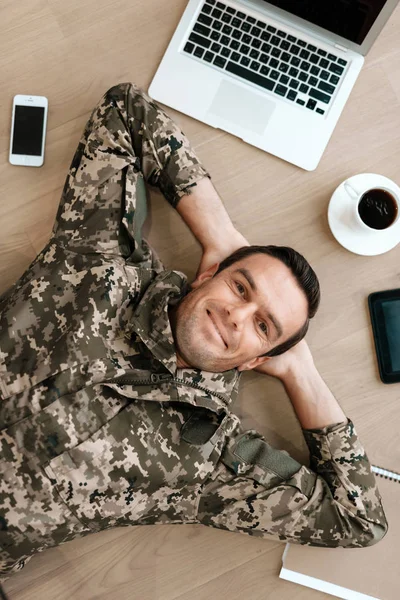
point(378, 208)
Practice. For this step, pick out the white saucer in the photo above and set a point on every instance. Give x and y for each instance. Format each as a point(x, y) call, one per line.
point(342, 221)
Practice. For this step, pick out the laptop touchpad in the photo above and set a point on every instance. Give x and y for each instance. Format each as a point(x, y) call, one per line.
point(243, 108)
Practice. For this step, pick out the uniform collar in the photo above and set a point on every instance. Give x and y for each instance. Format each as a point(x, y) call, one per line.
point(151, 323)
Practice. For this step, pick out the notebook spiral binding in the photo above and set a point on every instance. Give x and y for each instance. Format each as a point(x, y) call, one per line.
point(386, 474)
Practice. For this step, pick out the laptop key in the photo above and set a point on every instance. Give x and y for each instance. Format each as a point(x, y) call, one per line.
point(276, 52)
point(264, 70)
point(304, 88)
point(291, 38)
point(311, 104)
point(314, 58)
point(204, 19)
point(334, 79)
point(323, 63)
point(342, 62)
point(271, 29)
point(321, 52)
point(332, 57)
point(241, 15)
point(246, 39)
point(285, 56)
point(283, 68)
point(313, 81)
point(216, 13)
point(304, 54)
point(275, 41)
point(311, 47)
point(301, 43)
point(291, 95)
point(206, 9)
point(245, 27)
point(209, 56)
point(315, 70)
point(324, 75)
point(254, 53)
point(303, 76)
point(188, 47)
point(294, 84)
point(319, 95)
point(320, 111)
point(219, 61)
point(273, 63)
point(274, 75)
point(230, 10)
point(215, 36)
point(266, 36)
point(235, 56)
point(305, 66)
point(337, 69)
point(264, 59)
point(255, 31)
point(216, 47)
point(227, 29)
point(255, 65)
point(201, 41)
point(293, 72)
point(325, 87)
point(217, 25)
point(281, 90)
point(261, 25)
point(281, 33)
point(236, 34)
point(220, 5)
point(198, 52)
point(266, 48)
point(202, 29)
point(295, 61)
point(284, 45)
point(245, 61)
point(300, 101)
point(251, 19)
point(244, 49)
point(256, 43)
point(226, 18)
point(225, 40)
point(236, 22)
point(256, 78)
point(225, 52)
point(284, 79)
point(294, 49)
point(211, 2)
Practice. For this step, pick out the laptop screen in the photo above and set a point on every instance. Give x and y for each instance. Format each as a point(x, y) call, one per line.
point(351, 19)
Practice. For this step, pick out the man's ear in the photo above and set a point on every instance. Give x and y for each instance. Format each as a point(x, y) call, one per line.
point(205, 276)
point(253, 363)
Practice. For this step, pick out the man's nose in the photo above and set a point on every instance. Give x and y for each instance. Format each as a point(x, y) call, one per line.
point(238, 315)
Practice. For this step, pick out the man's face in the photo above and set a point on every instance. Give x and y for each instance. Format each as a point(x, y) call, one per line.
point(230, 319)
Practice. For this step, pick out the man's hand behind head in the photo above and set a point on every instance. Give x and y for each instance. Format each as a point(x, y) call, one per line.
point(298, 358)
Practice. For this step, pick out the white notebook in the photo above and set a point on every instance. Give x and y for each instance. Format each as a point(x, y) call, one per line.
point(371, 573)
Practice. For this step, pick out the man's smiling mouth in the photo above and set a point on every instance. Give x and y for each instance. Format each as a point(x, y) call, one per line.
point(216, 328)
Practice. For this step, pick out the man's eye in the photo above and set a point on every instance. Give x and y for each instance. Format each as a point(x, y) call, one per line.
point(241, 289)
point(263, 327)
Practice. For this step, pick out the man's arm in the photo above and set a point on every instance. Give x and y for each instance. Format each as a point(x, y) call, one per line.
point(313, 402)
point(205, 215)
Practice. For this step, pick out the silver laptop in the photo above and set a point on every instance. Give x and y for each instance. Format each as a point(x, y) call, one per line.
point(276, 74)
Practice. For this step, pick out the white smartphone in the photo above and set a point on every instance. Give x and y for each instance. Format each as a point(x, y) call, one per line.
point(28, 130)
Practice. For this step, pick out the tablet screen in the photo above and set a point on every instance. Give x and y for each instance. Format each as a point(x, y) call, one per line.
point(391, 313)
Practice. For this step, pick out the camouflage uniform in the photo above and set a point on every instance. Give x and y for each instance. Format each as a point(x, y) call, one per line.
point(98, 426)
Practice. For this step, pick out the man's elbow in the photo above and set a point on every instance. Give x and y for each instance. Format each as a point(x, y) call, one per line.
point(376, 532)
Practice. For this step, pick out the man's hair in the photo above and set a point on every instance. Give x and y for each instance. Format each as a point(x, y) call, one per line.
point(302, 272)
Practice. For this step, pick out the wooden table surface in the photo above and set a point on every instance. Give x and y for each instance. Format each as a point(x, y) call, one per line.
point(72, 52)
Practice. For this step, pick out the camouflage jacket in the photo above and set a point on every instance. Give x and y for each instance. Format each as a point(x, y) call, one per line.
point(98, 426)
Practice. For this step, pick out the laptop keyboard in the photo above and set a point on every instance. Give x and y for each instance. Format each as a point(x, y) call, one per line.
point(265, 55)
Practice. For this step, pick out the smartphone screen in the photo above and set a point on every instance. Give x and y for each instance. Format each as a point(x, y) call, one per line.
point(28, 130)
point(385, 316)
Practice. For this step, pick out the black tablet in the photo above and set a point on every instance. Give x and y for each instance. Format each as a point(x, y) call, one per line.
point(384, 308)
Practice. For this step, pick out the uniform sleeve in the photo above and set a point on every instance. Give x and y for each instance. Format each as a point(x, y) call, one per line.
point(128, 141)
point(262, 491)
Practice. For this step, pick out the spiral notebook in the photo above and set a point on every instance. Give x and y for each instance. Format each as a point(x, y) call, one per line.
point(371, 573)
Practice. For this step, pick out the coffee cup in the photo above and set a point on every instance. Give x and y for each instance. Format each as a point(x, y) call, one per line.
point(375, 209)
